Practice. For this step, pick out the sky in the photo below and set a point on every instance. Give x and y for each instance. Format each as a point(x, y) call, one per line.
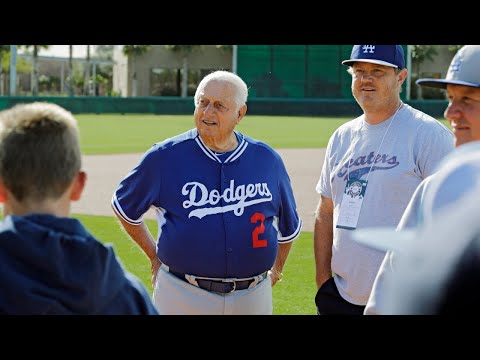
point(79, 51)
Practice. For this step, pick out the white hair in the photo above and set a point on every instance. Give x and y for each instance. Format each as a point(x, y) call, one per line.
point(241, 92)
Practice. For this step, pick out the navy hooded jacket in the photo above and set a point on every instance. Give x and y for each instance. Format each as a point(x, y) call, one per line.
point(53, 265)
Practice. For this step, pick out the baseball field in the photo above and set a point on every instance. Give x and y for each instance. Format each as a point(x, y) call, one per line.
point(112, 144)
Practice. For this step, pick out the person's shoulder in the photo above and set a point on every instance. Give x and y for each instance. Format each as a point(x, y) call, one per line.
point(256, 142)
point(168, 146)
point(467, 149)
point(261, 146)
point(358, 121)
point(175, 140)
point(468, 153)
point(417, 112)
point(455, 178)
point(425, 120)
point(347, 127)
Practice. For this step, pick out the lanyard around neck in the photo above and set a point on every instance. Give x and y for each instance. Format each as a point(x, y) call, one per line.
point(381, 143)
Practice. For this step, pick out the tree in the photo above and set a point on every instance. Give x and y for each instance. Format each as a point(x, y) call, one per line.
point(87, 73)
point(224, 47)
point(133, 51)
point(184, 50)
point(103, 72)
point(36, 48)
point(4, 49)
point(21, 67)
point(104, 52)
point(421, 53)
point(70, 71)
point(454, 48)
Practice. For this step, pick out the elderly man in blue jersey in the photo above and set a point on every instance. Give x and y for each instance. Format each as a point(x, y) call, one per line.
point(225, 210)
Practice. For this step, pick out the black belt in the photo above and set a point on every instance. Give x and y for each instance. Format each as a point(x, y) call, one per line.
point(219, 286)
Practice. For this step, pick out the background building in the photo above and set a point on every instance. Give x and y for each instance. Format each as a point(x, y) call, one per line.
point(299, 80)
point(271, 71)
point(160, 72)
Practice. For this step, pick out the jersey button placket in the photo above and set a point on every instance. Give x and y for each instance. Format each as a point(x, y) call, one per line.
point(227, 216)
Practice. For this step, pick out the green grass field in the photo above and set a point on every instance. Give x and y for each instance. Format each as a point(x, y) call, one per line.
point(117, 134)
point(109, 133)
point(112, 133)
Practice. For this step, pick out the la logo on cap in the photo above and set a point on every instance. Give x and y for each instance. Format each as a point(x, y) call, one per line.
point(368, 49)
point(386, 55)
point(456, 63)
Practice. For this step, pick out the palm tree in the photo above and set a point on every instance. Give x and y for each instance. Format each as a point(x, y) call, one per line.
point(87, 73)
point(10, 62)
point(454, 48)
point(132, 51)
point(36, 48)
point(103, 73)
point(421, 53)
point(3, 50)
point(70, 70)
point(184, 50)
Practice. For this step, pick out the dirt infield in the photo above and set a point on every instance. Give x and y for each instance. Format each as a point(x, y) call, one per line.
point(106, 171)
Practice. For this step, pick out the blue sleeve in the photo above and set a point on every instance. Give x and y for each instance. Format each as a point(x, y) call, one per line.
point(139, 189)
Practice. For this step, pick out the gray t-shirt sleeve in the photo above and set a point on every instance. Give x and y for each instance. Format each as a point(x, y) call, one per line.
point(323, 186)
point(431, 149)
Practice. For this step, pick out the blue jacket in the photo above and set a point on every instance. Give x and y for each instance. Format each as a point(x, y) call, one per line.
point(53, 265)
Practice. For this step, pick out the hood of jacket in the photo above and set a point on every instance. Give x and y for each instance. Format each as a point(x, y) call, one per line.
point(53, 265)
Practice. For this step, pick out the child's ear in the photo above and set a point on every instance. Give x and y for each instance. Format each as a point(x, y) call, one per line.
point(78, 185)
point(3, 192)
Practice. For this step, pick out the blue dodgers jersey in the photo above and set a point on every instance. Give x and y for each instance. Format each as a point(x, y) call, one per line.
point(217, 216)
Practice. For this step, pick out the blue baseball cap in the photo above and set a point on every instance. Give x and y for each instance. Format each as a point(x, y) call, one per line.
point(463, 70)
point(387, 55)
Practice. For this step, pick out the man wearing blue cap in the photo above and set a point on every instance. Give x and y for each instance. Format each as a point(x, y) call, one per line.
point(388, 151)
point(455, 179)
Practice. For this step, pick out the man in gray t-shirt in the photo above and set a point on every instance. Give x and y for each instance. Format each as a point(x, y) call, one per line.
point(387, 152)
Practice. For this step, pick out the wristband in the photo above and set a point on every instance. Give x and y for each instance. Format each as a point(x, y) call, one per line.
point(277, 273)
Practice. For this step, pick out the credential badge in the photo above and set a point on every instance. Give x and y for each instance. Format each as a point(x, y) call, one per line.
point(355, 189)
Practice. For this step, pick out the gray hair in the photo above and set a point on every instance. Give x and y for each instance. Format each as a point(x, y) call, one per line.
point(227, 76)
point(39, 150)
